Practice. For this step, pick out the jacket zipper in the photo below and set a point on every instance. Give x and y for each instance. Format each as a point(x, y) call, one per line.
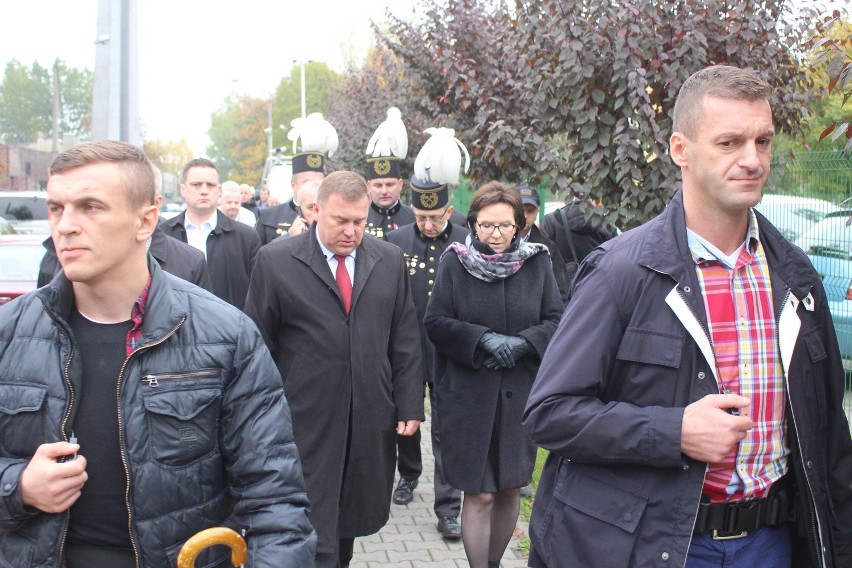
point(709, 339)
point(65, 438)
point(64, 424)
point(812, 516)
point(153, 380)
point(120, 442)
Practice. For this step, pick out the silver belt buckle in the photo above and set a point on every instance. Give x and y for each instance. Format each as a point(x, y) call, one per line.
point(717, 536)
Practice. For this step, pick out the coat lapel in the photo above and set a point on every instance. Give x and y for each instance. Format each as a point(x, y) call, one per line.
point(365, 260)
point(311, 254)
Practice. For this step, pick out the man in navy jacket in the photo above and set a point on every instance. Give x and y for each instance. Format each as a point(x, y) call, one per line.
point(691, 398)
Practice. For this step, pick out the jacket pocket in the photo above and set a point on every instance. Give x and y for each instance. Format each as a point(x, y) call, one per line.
point(21, 418)
point(183, 423)
point(650, 347)
point(589, 506)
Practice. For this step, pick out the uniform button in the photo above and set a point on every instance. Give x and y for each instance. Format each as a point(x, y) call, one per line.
point(431, 271)
point(701, 375)
point(429, 293)
point(508, 394)
point(664, 556)
point(7, 488)
point(431, 259)
point(685, 467)
point(431, 282)
point(431, 247)
point(810, 464)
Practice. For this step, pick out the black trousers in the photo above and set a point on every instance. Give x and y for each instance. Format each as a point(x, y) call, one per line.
point(339, 559)
point(410, 464)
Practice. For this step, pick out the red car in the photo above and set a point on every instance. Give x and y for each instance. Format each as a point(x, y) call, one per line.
point(20, 256)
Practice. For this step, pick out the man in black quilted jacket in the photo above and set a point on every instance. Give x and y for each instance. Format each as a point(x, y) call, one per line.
point(136, 409)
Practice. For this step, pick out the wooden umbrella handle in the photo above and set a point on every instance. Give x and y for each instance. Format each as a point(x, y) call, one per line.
point(210, 537)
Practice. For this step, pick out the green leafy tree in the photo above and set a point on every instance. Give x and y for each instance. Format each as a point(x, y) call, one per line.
point(76, 87)
point(26, 101)
point(579, 94)
point(321, 81)
point(238, 138)
point(238, 131)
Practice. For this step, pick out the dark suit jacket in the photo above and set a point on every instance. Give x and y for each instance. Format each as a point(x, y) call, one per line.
point(275, 221)
point(231, 248)
point(422, 256)
point(175, 257)
point(348, 378)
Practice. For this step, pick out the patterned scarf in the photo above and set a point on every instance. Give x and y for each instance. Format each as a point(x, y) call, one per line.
point(495, 266)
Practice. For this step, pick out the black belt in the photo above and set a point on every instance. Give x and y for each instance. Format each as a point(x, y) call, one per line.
point(736, 520)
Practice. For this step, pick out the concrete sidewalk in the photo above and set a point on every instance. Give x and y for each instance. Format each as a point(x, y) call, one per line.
point(411, 538)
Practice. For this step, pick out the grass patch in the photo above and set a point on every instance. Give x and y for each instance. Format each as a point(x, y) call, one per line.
point(527, 502)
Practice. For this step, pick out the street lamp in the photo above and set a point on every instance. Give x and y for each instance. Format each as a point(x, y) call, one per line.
point(302, 83)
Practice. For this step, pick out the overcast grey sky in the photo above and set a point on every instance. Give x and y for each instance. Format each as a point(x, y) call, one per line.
point(194, 53)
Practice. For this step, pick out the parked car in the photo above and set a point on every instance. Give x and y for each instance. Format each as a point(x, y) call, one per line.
point(793, 215)
point(828, 245)
point(20, 256)
point(26, 211)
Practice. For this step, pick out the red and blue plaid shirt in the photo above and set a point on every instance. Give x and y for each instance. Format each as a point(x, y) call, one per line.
point(741, 318)
point(137, 314)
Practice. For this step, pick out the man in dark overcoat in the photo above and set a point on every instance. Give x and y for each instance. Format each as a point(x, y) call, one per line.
point(423, 242)
point(335, 310)
point(229, 246)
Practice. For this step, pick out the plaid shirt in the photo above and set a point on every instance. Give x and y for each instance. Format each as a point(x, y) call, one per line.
point(741, 318)
point(137, 314)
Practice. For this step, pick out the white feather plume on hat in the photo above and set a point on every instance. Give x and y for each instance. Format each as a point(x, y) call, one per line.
point(390, 138)
point(316, 133)
point(439, 159)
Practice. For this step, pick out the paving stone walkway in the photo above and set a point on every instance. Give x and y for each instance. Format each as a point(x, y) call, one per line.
point(411, 538)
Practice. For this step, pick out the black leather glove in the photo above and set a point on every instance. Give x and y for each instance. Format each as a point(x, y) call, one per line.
point(490, 362)
point(497, 345)
point(520, 347)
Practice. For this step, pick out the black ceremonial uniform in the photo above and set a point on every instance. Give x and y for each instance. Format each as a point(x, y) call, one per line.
point(275, 221)
point(382, 221)
point(422, 256)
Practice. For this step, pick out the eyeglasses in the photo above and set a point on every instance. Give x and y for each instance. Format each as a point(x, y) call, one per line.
point(504, 228)
point(434, 219)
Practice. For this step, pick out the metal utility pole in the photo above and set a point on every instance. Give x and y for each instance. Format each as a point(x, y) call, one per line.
point(115, 102)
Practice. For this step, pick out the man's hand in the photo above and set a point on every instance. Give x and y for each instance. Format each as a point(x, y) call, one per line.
point(51, 486)
point(709, 432)
point(298, 227)
point(407, 427)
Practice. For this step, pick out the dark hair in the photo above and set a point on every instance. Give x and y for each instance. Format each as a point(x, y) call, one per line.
point(196, 163)
point(721, 81)
point(348, 185)
point(131, 161)
point(495, 192)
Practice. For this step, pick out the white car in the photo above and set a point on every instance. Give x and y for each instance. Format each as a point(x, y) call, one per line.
point(793, 215)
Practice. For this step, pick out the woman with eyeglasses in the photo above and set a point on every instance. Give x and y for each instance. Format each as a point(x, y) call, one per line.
point(493, 309)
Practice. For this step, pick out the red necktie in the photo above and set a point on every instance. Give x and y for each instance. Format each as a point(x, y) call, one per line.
point(344, 284)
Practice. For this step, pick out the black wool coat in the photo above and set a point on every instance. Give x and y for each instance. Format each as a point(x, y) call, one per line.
point(461, 310)
point(231, 249)
point(348, 379)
